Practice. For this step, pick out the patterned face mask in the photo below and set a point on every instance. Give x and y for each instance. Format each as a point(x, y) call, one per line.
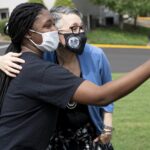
point(75, 42)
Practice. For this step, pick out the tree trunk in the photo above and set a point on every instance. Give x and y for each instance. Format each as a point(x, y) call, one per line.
point(135, 21)
point(121, 22)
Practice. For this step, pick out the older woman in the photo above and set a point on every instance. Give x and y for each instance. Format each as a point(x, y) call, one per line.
point(90, 63)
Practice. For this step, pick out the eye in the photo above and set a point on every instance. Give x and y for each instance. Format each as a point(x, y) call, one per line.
point(74, 28)
point(49, 24)
point(81, 27)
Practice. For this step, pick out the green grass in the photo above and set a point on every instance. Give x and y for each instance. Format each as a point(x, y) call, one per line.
point(131, 120)
point(113, 35)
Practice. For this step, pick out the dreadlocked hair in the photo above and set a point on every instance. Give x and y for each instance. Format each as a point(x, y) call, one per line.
point(20, 21)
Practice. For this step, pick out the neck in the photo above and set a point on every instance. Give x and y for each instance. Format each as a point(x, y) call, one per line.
point(69, 61)
point(26, 47)
point(65, 57)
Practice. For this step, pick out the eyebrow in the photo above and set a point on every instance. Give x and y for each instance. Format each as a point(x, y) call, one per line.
point(76, 24)
point(49, 21)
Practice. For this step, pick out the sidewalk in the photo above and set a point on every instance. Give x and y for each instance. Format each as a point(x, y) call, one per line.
point(143, 21)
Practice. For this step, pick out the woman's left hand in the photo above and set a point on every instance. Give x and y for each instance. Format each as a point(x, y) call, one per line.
point(103, 138)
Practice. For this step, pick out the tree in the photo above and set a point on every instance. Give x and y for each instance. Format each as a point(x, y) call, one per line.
point(68, 3)
point(133, 8)
point(137, 8)
point(36, 1)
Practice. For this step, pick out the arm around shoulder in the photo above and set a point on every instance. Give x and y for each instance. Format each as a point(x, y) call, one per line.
point(9, 63)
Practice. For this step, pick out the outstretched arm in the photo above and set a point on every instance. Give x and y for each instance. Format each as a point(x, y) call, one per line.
point(88, 93)
point(9, 64)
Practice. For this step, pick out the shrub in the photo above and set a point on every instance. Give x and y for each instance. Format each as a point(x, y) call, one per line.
point(2, 25)
point(68, 3)
point(36, 1)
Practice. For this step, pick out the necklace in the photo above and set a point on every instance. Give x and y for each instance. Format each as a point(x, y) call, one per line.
point(71, 105)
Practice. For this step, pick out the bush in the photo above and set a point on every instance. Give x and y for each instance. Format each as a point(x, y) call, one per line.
point(68, 3)
point(2, 25)
point(36, 1)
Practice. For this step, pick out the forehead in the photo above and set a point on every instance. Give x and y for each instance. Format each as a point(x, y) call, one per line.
point(70, 20)
point(42, 18)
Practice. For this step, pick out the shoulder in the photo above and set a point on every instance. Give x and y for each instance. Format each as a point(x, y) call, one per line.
point(93, 50)
point(34, 65)
point(94, 54)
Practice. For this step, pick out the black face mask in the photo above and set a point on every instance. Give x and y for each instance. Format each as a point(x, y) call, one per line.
point(75, 42)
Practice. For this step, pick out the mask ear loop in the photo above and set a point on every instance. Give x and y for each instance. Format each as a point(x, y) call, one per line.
point(60, 45)
point(35, 31)
point(61, 33)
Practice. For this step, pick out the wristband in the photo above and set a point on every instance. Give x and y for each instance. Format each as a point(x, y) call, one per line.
point(108, 128)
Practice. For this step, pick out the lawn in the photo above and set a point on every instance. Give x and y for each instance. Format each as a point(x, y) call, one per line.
point(131, 120)
point(113, 35)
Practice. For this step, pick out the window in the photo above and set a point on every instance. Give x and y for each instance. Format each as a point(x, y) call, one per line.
point(4, 13)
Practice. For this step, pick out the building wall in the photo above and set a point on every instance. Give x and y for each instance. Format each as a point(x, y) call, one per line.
point(11, 4)
point(97, 12)
point(93, 14)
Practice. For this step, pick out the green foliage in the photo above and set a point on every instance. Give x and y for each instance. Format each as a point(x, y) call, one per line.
point(131, 7)
point(68, 3)
point(138, 7)
point(2, 25)
point(36, 1)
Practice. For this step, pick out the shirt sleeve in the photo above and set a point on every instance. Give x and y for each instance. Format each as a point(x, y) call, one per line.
point(106, 77)
point(58, 85)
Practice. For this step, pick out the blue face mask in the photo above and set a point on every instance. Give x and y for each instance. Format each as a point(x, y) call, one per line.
point(75, 42)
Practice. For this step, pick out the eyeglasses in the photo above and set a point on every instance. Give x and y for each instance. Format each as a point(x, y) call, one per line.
point(75, 29)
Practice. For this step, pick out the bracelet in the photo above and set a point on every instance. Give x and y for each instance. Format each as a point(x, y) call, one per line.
point(107, 132)
point(109, 128)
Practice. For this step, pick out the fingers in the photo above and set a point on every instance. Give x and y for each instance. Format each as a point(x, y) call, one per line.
point(12, 70)
point(9, 74)
point(17, 60)
point(15, 54)
point(10, 64)
point(96, 140)
point(15, 66)
point(14, 57)
point(103, 138)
